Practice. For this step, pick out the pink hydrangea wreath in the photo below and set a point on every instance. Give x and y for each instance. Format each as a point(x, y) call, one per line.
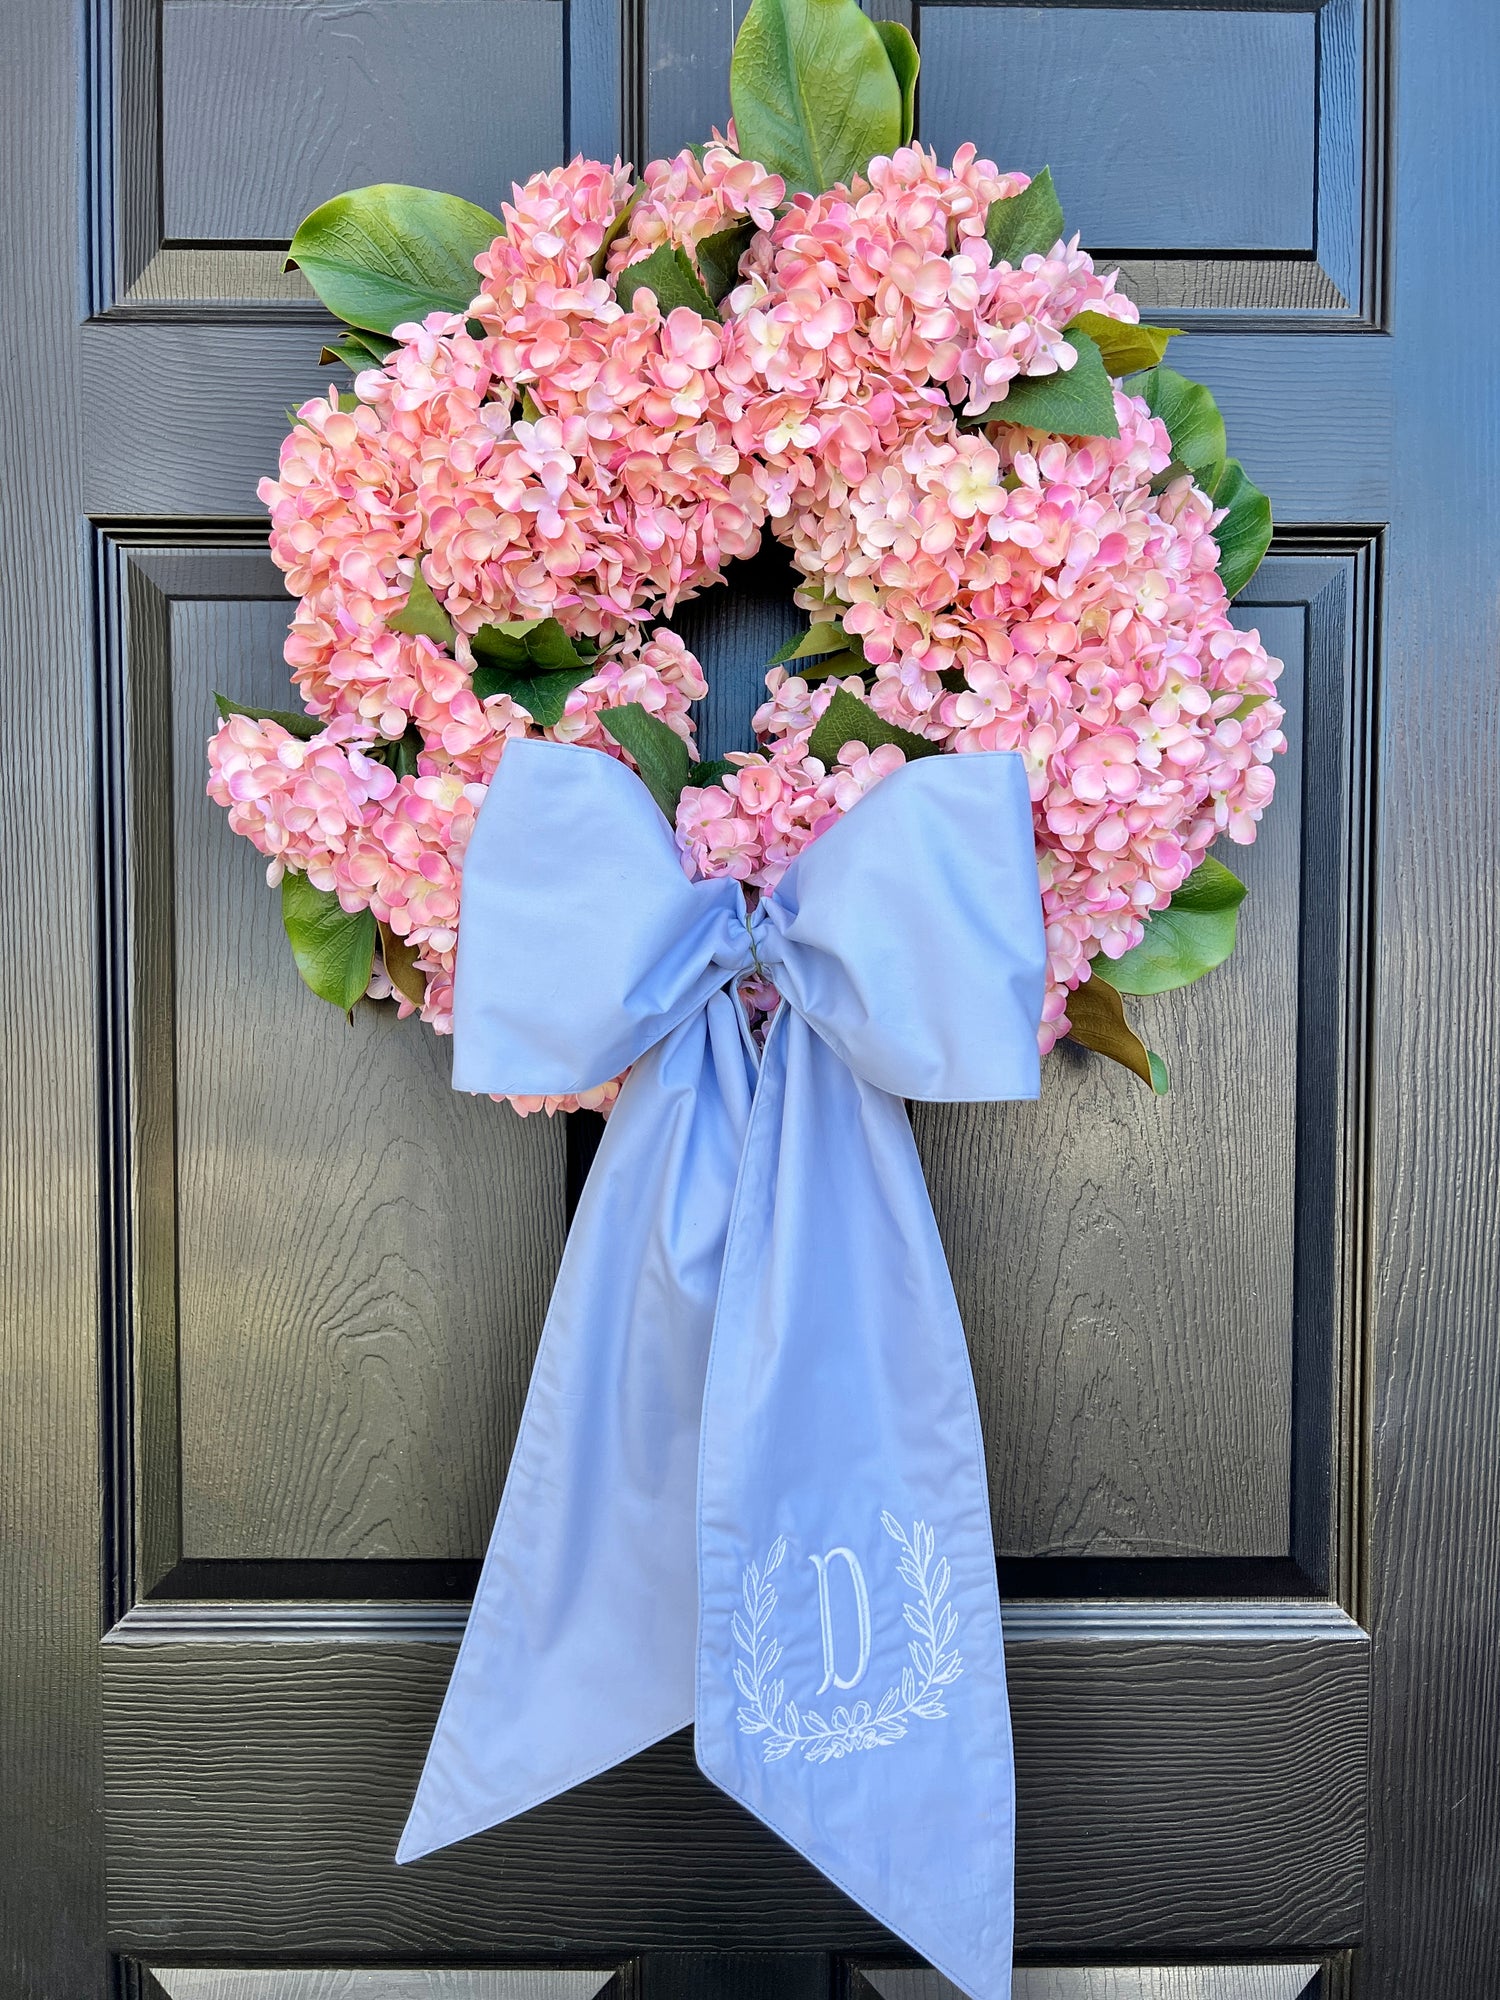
point(650, 374)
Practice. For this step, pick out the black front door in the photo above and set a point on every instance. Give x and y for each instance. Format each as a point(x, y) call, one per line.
point(264, 1355)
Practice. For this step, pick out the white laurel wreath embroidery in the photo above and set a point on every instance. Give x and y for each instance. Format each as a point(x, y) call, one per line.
point(934, 1664)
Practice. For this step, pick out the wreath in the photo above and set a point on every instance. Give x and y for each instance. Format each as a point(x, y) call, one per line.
point(1015, 528)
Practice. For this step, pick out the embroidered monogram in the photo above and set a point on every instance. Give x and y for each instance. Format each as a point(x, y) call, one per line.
point(831, 1675)
point(766, 1709)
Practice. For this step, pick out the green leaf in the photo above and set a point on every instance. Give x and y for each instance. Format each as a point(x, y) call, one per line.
point(1248, 706)
point(303, 727)
point(348, 352)
point(1244, 534)
point(719, 258)
point(400, 961)
point(525, 644)
point(1025, 224)
point(814, 91)
point(711, 772)
point(380, 256)
point(1097, 1021)
point(905, 61)
point(1125, 348)
point(659, 753)
point(421, 616)
point(1169, 475)
point(1192, 419)
point(544, 696)
point(849, 720)
point(615, 230)
point(405, 750)
point(1193, 934)
point(335, 951)
point(828, 637)
point(1080, 403)
point(669, 273)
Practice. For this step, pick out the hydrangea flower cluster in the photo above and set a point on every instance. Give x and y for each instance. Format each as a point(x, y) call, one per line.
point(550, 453)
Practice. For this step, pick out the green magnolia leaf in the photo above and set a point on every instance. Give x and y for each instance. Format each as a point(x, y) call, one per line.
point(659, 753)
point(303, 727)
point(849, 720)
point(669, 273)
point(348, 352)
point(615, 230)
point(711, 772)
point(400, 961)
point(382, 255)
point(1125, 349)
point(421, 616)
point(719, 258)
point(1080, 403)
point(904, 60)
point(1244, 534)
point(544, 696)
point(828, 637)
point(1025, 224)
point(335, 952)
point(1193, 934)
point(522, 646)
point(1192, 419)
point(1097, 1021)
point(814, 91)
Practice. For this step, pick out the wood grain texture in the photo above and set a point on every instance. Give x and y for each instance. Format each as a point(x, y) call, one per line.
point(1229, 98)
point(363, 1256)
point(51, 1850)
point(268, 109)
point(1174, 1793)
point(1124, 1263)
point(1106, 1982)
point(1435, 1255)
point(213, 400)
point(182, 1982)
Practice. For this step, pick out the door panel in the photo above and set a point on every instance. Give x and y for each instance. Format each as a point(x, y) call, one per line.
point(1234, 1349)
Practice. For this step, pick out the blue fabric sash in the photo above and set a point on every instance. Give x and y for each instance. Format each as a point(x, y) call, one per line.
point(749, 1487)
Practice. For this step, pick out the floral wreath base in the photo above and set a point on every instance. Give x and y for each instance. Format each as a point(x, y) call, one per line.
point(1015, 529)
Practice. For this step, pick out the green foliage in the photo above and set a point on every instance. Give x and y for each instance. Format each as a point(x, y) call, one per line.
point(421, 616)
point(1192, 419)
point(1080, 403)
point(849, 720)
point(358, 350)
point(669, 273)
point(335, 951)
point(1097, 1021)
point(1124, 349)
point(615, 230)
point(293, 721)
point(814, 91)
point(1193, 934)
point(533, 661)
point(1198, 443)
point(817, 640)
point(659, 753)
point(382, 255)
point(905, 61)
point(719, 258)
point(1244, 534)
point(1025, 224)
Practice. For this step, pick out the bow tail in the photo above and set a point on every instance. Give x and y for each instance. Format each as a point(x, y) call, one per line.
point(579, 1648)
point(851, 1686)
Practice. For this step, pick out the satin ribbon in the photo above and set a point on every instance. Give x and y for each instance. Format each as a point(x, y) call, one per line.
point(749, 1489)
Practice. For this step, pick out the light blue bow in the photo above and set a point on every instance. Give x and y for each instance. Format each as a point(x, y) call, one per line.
point(749, 1487)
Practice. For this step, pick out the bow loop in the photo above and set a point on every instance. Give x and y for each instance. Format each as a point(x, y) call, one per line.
point(583, 943)
point(909, 936)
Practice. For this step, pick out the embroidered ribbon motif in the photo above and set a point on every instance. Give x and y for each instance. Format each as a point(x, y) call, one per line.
point(753, 1365)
